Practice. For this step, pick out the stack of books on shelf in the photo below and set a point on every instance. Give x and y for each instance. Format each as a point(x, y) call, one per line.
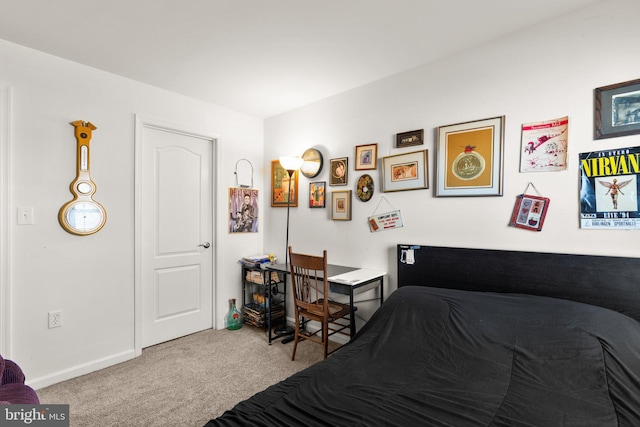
point(255, 314)
point(258, 277)
point(254, 261)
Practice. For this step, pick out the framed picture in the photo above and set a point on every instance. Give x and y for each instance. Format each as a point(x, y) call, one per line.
point(406, 171)
point(317, 194)
point(366, 157)
point(469, 158)
point(280, 186)
point(617, 110)
point(411, 138)
point(243, 210)
point(341, 205)
point(529, 212)
point(339, 171)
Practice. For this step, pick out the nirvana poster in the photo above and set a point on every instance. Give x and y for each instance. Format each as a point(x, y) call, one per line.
point(609, 189)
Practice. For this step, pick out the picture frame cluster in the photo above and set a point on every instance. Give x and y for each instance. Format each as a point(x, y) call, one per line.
point(468, 158)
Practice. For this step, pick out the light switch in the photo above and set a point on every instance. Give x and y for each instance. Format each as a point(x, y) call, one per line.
point(25, 215)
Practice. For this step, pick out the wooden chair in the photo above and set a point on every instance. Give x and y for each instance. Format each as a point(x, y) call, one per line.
point(310, 295)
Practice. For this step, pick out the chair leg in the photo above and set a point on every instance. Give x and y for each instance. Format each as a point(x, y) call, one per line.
point(325, 337)
point(295, 340)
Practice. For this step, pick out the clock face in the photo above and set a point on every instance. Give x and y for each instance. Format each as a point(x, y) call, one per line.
point(364, 188)
point(83, 217)
point(312, 163)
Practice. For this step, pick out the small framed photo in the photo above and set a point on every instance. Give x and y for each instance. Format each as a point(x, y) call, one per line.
point(317, 194)
point(341, 205)
point(366, 157)
point(469, 158)
point(280, 185)
point(409, 139)
point(406, 171)
point(617, 110)
point(339, 171)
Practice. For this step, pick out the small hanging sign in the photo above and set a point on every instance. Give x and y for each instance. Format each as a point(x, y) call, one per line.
point(384, 221)
point(529, 211)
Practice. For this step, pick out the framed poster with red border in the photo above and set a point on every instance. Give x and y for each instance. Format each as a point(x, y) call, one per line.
point(529, 212)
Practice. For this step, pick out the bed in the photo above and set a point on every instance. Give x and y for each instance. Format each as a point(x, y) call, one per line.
point(476, 337)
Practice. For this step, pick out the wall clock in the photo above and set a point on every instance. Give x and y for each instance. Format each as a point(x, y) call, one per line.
point(312, 163)
point(82, 215)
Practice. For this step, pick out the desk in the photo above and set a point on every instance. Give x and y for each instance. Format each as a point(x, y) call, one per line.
point(347, 281)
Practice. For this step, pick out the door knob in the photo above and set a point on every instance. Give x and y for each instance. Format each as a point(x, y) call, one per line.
point(206, 245)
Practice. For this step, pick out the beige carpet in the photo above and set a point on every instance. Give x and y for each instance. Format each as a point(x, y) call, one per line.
point(184, 382)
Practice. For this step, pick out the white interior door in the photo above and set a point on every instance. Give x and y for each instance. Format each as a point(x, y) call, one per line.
point(176, 221)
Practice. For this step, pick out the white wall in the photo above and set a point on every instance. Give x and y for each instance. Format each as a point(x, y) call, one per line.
point(539, 73)
point(92, 278)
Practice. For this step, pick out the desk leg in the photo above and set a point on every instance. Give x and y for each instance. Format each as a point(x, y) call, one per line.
point(352, 315)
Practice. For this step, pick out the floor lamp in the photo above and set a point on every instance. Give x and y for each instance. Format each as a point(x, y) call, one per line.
point(290, 164)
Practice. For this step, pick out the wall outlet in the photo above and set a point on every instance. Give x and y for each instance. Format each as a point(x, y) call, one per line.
point(55, 319)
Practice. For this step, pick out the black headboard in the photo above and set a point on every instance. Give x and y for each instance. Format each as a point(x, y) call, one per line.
point(611, 282)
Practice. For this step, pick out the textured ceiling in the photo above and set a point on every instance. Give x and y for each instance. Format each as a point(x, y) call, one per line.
point(264, 57)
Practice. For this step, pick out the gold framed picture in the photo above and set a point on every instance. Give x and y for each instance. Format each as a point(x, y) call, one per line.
point(407, 171)
point(341, 205)
point(469, 158)
point(280, 186)
point(366, 157)
point(339, 171)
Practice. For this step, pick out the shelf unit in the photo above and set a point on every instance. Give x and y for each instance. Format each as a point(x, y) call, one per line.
point(264, 299)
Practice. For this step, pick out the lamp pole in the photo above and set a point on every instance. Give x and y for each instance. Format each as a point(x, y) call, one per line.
point(290, 164)
point(286, 252)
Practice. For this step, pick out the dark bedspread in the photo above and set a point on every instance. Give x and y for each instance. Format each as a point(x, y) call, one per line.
point(440, 357)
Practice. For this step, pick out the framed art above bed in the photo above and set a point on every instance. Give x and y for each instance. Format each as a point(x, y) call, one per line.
point(469, 158)
point(617, 110)
point(406, 171)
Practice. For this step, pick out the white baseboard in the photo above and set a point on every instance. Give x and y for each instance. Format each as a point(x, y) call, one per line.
point(85, 368)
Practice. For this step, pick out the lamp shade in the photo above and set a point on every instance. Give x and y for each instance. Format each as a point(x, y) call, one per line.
point(291, 163)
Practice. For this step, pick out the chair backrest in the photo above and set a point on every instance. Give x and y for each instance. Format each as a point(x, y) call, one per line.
point(309, 280)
